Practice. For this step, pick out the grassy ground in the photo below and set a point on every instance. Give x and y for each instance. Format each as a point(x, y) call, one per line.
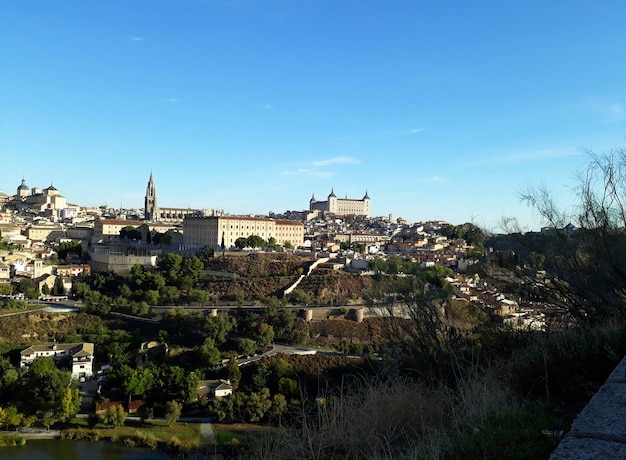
point(229, 433)
point(187, 433)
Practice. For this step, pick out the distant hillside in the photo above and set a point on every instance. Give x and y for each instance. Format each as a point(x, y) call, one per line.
point(269, 274)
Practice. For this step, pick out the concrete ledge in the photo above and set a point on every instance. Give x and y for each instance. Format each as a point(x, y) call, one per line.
point(599, 431)
point(572, 448)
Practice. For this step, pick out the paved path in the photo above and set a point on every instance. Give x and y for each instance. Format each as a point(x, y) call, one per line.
point(38, 433)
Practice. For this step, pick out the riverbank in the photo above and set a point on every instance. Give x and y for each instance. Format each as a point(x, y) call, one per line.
point(35, 433)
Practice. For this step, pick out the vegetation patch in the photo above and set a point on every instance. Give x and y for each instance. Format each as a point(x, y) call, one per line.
point(12, 440)
point(186, 433)
point(80, 434)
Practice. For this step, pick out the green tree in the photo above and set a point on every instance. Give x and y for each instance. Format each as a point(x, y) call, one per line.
point(265, 334)
point(80, 289)
point(145, 413)
point(29, 288)
point(300, 297)
point(170, 266)
point(246, 346)
point(281, 319)
point(199, 296)
point(288, 387)
point(233, 372)
point(257, 405)
point(162, 238)
point(174, 383)
point(48, 420)
point(255, 241)
point(278, 407)
point(10, 417)
point(6, 289)
point(45, 289)
point(69, 247)
point(261, 376)
point(125, 291)
point(47, 389)
point(131, 233)
point(169, 294)
point(151, 297)
point(113, 416)
point(97, 303)
point(173, 410)
point(41, 366)
point(139, 382)
point(217, 327)
point(209, 352)
point(70, 404)
point(193, 268)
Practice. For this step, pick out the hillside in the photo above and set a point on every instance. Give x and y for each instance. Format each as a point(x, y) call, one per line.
point(253, 276)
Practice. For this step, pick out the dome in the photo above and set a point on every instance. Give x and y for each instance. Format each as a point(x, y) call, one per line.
point(23, 186)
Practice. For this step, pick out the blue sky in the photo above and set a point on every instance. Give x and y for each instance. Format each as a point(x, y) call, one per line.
point(439, 109)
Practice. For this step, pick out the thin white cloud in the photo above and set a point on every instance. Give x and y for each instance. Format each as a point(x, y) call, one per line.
point(172, 100)
point(610, 111)
point(136, 39)
point(533, 155)
point(308, 172)
point(437, 179)
point(337, 160)
point(416, 130)
point(268, 107)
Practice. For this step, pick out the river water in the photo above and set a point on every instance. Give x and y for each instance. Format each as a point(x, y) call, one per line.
point(53, 449)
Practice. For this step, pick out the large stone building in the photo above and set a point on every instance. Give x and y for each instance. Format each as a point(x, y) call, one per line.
point(211, 231)
point(109, 229)
point(342, 206)
point(47, 202)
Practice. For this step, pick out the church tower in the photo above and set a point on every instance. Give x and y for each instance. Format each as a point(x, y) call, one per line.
point(150, 203)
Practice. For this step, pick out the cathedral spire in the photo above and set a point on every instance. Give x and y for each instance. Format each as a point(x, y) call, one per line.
point(150, 202)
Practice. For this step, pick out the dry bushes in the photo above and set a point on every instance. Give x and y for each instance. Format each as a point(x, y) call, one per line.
point(378, 418)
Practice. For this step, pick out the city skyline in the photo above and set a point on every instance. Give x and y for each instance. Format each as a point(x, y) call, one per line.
point(438, 110)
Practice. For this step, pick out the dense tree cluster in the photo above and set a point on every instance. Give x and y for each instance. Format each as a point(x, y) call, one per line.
point(175, 279)
point(41, 391)
point(255, 241)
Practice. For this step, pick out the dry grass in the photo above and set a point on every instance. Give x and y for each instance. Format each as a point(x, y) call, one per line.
point(398, 420)
point(377, 421)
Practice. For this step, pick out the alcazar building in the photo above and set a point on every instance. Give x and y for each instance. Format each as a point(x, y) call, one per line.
point(342, 206)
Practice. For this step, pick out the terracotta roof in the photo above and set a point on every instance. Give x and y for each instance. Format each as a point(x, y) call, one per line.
point(119, 222)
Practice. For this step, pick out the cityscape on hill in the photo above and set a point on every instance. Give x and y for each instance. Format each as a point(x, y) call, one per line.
point(318, 230)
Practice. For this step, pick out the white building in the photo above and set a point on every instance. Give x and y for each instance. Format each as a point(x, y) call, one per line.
point(75, 357)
